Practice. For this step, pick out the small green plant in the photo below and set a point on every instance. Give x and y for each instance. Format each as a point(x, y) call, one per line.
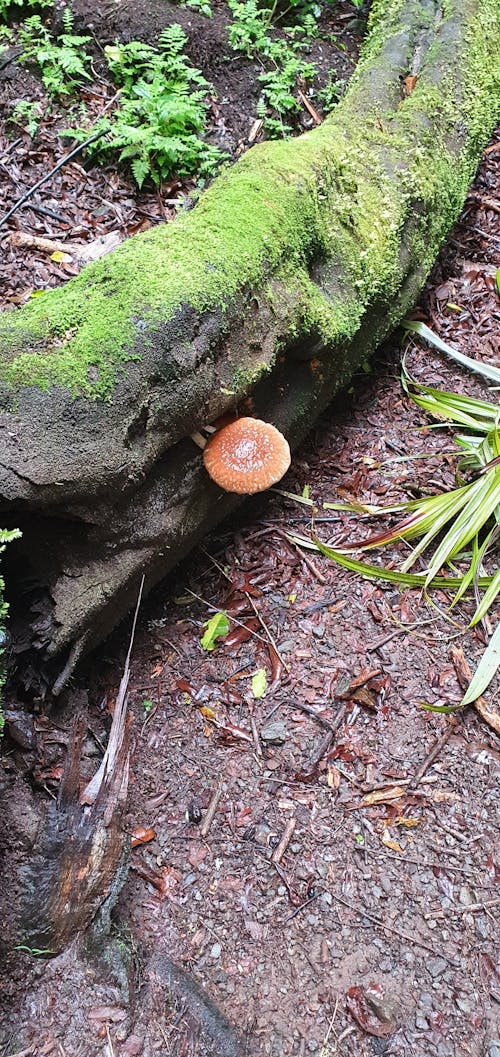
point(28, 116)
point(63, 62)
point(203, 6)
point(459, 529)
point(251, 32)
point(160, 117)
point(249, 29)
point(278, 86)
point(331, 93)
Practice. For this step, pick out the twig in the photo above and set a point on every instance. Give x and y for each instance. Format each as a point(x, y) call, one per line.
point(439, 744)
point(473, 908)
point(63, 161)
point(302, 907)
point(268, 633)
point(411, 939)
point(464, 674)
point(255, 736)
point(110, 1044)
point(210, 812)
point(308, 105)
point(286, 837)
point(304, 558)
point(310, 712)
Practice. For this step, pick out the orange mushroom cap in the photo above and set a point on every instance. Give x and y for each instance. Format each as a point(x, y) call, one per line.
point(247, 456)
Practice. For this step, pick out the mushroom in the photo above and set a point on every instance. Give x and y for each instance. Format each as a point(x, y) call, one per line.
point(247, 456)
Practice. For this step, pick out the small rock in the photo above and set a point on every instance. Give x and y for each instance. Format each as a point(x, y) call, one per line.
point(215, 951)
point(436, 966)
point(465, 1003)
point(494, 1048)
point(274, 733)
point(420, 1022)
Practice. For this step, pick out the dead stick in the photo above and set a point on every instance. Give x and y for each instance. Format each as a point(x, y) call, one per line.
point(472, 907)
point(255, 736)
point(412, 939)
point(434, 753)
point(314, 113)
point(268, 633)
point(464, 675)
point(211, 809)
point(286, 837)
point(305, 558)
point(310, 712)
point(38, 242)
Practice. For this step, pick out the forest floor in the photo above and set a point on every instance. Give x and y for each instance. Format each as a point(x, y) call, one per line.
point(375, 932)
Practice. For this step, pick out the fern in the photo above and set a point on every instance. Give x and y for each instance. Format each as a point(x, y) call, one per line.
point(62, 60)
point(160, 118)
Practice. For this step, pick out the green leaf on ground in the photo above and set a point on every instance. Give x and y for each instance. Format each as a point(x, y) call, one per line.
point(216, 628)
point(259, 683)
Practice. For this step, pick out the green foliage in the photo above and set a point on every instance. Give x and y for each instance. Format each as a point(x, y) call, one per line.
point(285, 68)
point(203, 6)
point(332, 92)
point(62, 59)
point(215, 628)
point(161, 112)
point(456, 529)
point(28, 116)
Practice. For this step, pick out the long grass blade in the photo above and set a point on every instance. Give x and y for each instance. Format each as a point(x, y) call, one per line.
point(487, 600)
point(484, 369)
point(485, 671)
point(379, 572)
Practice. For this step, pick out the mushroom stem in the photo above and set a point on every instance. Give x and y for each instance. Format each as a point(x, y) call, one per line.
point(199, 439)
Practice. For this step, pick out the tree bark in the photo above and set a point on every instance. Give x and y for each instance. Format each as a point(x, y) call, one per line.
point(293, 266)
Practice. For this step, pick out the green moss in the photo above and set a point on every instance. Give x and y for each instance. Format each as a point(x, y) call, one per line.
point(342, 192)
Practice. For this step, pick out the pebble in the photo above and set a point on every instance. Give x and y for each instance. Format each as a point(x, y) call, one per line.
point(421, 1023)
point(482, 927)
point(465, 1003)
point(436, 966)
point(215, 951)
point(274, 733)
point(494, 1048)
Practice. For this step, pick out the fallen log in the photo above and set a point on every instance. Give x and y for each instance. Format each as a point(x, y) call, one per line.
point(293, 266)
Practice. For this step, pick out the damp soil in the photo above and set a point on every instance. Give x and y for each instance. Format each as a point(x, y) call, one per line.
point(375, 931)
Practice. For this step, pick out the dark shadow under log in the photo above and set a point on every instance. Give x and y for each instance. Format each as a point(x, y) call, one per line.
point(291, 269)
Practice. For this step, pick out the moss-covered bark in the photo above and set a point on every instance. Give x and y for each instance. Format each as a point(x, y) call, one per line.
point(292, 267)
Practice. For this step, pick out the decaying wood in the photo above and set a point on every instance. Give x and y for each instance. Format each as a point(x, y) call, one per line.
point(79, 861)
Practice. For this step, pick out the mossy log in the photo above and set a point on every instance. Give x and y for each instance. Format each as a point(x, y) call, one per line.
point(293, 266)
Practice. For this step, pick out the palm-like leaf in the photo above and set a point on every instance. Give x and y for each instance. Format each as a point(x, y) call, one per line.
point(455, 522)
